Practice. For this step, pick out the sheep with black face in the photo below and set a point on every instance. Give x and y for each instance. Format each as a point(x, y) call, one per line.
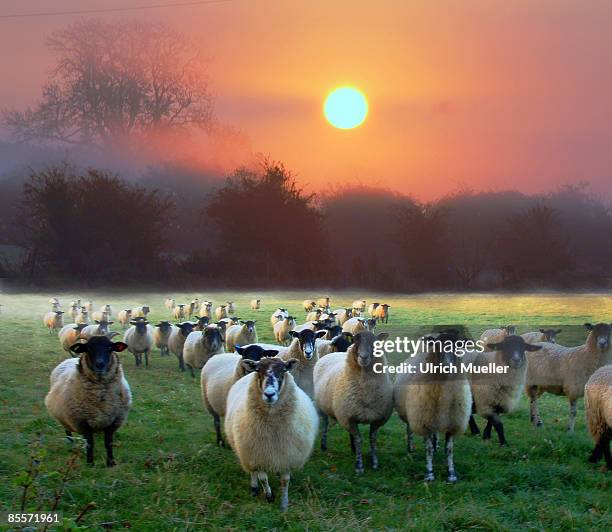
point(161, 335)
point(90, 394)
point(176, 341)
point(139, 338)
point(200, 346)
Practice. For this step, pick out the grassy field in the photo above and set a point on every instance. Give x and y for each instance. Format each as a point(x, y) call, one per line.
point(171, 476)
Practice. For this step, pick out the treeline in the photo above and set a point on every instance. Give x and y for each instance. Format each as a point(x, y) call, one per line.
point(259, 229)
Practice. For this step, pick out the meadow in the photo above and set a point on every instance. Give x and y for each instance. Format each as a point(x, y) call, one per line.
point(171, 475)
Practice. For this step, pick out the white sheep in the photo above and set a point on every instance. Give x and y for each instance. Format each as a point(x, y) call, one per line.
point(231, 308)
point(73, 311)
point(342, 315)
point(90, 306)
point(498, 393)
point(221, 312)
point(103, 308)
point(564, 370)
point(200, 346)
point(357, 325)
point(349, 390)
point(169, 303)
point(598, 409)
point(372, 308)
point(139, 339)
point(494, 336)
point(141, 312)
point(82, 315)
point(360, 305)
point(176, 341)
point(240, 334)
point(270, 423)
point(101, 315)
point(309, 305)
point(179, 312)
point(543, 335)
point(276, 315)
point(124, 317)
point(90, 394)
point(308, 325)
point(161, 335)
point(53, 320)
point(99, 329)
point(69, 335)
point(431, 404)
point(255, 304)
point(205, 310)
point(220, 373)
point(282, 329)
point(324, 302)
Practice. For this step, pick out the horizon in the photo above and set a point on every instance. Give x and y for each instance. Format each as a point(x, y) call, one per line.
point(471, 108)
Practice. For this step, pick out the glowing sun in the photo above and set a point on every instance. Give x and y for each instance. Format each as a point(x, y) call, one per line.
point(345, 108)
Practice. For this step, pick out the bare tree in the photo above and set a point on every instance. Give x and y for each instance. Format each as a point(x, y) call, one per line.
point(115, 81)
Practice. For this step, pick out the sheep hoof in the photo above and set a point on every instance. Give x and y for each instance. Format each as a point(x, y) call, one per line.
point(270, 496)
point(284, 507)
point(359, 470)
point(539, 424)
point(429, 477)
point(254, 491)
point(452, 478)
point(111, 463)
point(324, 447)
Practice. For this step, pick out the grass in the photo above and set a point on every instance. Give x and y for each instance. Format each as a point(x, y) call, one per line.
point(171, 476)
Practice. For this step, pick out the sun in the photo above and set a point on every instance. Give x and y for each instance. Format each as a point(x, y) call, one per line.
point(345, 108)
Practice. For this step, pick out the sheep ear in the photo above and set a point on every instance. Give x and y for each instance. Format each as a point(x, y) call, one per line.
point(79, 348)
point(294, 334)
point(320, 334)
point(270, 353)
point(542, 330)
point(240, 350)
point(249, 365)
point(382, 336)
point(495, 347)
point(290, 364)
point(97, 322)
point(530, 347)
point(119, 346)
point(588, 326)
point(241, 321)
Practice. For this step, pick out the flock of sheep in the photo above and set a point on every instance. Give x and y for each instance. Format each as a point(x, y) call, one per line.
point(272, 396)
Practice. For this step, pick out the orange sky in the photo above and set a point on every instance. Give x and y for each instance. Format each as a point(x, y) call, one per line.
point(481, 93)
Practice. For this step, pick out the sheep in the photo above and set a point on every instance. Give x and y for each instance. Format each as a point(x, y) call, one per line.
point(240, 334)
point(349, 390)
point(381, 312)
point(343, 314)
point(360, 305)
point(161, 335)
point(309, 305)
point(205, 309)
point(372, 308)
point(221, 312)
point(73, 311)
point(314, 315)
point(234, 320)
point(324, 302)
point(492, 336)
point(82, 315)
point(282, 328)
point(543, 335)
point(355, 325)
point(200, 346)
point(90, 306)
point(53, 320)
point(177, 338)
point(124, 317)
point(220, 373)
point(55, 304)
point(432, 404)
point(255, 304)
point(99, 329)
point(565, 370)
point(76, 302)
point(103, 308)
point(90, 393)
point(141, 312)
point(139, 339)
point(497, 393)
point(179, 312)
point(201, 322)
point(169, 303)
point(70, 334)
point(100, 315)
point(338, 343)
point(303, 349)
point(277, 314)
point(598, 409)
point(188, 310)
point(328, 317)
point(231, 308)
point(308, 325)
point(270, 423)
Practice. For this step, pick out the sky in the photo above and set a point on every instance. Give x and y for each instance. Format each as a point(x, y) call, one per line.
point(483, 94)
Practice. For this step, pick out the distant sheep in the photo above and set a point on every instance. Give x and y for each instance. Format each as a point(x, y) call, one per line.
point(493, 336)
point(169, 303)
point(282, 329)
point(221, 312)
point(101, 315)
point(100, 328)
point(179, 312)
point(176, 341)
point(372, 308)
point(124, 317)
point(161, 335)
point(205, 310)
point(309, 305)
point(381, 313)
point(82, 315)
point(314, 315)
point(255, 304)
point(200, 346)
point(357, 325)
point(343, 314)
point(139, 339)
point(53, 320)
point(69, 335)
point(543, 335)
point(231, 308)
point(324, 302)
point(277, 314)
point(90, 394)
point(240, 334)
point(359, 304)
point(201, 322)
point(141, 312)
point(598, 409)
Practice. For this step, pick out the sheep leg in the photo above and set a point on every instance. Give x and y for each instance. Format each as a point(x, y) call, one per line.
point(284, 489)
point(146, 354)
point(217, 421)
point(136, 359)
point(324, 428)
point(486, 433)
point(532, 392)
point(373, 437)
point(254, 484)
point(356, 441)
point(429, 452)
point(572, 415)
point(434, 440)
point(409, 440)
point(499, 428)
point(352, 442)
point(452, 475)
point(181, 363)
point(263, 478)
point(605, 443)
point(474, 430)
point(191, 369)
point(108, 444)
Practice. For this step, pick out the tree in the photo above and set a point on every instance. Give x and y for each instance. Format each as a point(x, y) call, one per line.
point(115, 81)
point(93, 226)
point(267, 227)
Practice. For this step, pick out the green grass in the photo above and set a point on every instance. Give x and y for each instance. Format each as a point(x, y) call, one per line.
point(171, 476)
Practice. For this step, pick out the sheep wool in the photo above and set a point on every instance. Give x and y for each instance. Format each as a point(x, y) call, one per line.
point(240, 334)
point(598, 409)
